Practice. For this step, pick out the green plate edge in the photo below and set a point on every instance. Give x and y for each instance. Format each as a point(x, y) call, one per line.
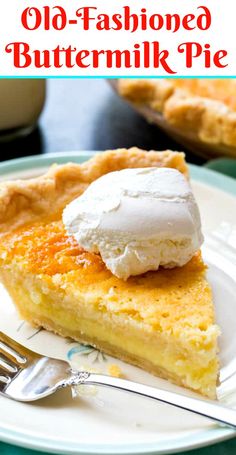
point(201, 439)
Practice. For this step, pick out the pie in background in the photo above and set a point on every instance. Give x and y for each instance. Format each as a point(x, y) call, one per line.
point(198, 111)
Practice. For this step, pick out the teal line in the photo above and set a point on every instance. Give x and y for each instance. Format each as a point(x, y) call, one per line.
point(118, 77)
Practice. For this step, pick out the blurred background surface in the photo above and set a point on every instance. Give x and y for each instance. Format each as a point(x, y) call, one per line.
point(85, 114)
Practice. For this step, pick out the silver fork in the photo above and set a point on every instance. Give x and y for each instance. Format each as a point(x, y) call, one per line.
point(27, 376)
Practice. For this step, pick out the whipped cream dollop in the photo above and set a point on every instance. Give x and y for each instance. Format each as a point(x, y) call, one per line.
point(137, 219)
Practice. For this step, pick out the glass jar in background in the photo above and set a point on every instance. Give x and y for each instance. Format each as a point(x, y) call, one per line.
point(21, 102)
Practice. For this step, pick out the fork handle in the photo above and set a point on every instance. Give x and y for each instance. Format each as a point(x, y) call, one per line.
point(205, 408)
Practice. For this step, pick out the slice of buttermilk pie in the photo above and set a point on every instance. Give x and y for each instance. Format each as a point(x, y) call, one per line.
point(161, 321)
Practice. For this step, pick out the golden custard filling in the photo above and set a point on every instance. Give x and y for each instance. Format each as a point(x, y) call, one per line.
point(47, 249)
point(137, 316)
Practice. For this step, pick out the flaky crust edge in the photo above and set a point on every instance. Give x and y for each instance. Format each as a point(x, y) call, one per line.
point(210, 121)
point(25, 201)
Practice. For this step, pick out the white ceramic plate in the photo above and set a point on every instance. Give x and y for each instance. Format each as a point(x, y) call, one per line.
point(109, 422)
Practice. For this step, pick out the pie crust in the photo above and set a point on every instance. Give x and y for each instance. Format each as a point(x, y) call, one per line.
point(24, 201)
point(201, 109)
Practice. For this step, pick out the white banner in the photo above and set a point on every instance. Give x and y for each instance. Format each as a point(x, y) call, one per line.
point(118, 38)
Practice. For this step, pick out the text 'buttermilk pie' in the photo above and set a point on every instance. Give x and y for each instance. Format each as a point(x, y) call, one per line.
point(106, 269)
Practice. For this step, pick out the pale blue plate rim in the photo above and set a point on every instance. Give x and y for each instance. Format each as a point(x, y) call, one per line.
point(198, 440)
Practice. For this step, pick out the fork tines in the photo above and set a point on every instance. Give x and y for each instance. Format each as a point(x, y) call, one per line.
point(10, 360)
